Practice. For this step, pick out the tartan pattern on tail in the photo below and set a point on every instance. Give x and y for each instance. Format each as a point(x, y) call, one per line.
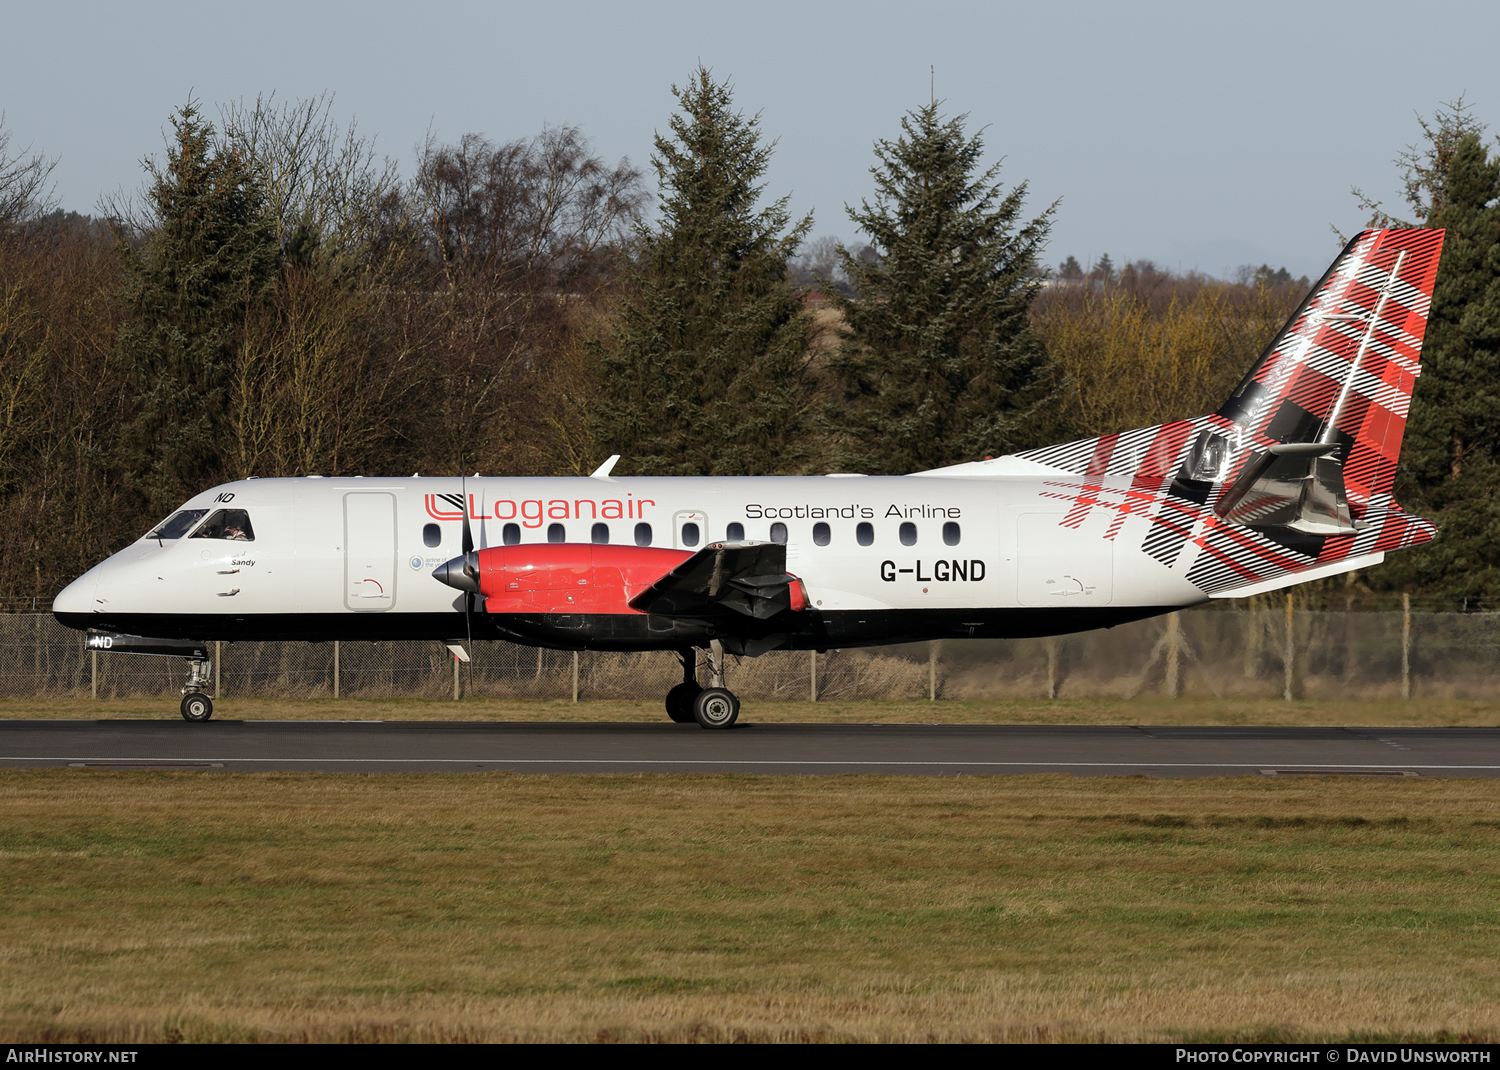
point(1340, 372)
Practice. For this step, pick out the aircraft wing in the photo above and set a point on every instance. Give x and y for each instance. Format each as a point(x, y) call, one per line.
point(745, 577)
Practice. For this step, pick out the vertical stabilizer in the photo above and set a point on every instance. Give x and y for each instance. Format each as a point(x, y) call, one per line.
point(1295, 470)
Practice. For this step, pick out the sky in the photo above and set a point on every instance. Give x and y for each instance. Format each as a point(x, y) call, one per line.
point(1199, 135)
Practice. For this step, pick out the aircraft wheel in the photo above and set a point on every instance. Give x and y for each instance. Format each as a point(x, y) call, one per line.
point(680, 702)
point(716, 707)
point(197, 707)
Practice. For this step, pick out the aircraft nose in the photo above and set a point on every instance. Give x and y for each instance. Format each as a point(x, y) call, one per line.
point(76, 597)
point(461, 573)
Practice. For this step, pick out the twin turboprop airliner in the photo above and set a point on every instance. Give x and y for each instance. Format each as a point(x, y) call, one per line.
point(1290, 480)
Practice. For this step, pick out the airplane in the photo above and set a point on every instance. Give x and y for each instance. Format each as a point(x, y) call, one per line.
point(1289, 481)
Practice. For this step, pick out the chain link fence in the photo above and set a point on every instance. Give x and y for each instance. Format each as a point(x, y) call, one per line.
point(1223, 652)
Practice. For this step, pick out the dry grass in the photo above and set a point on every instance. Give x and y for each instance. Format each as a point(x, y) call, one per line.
point(494, 907)
point(1150, 710)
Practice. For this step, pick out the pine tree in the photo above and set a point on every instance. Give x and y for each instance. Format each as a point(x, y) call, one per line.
point(1450, 462)
point(938, 362)
point(208, 259)
point(707, 374)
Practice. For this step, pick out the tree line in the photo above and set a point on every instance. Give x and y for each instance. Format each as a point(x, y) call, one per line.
point(279, 301)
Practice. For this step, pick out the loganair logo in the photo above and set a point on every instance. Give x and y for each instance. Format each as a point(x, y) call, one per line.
point(534, 512)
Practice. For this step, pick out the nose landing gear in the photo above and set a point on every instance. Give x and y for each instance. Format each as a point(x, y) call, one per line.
point(196, 706)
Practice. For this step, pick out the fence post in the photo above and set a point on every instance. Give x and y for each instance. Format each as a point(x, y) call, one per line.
point(575, 676)
point(218, 658)
point(1406, 646)
point(1051, 667)
point(93, 674)
point(1174, 646)
point(813, 671)
point(455, 674)
point(335, 668)
point(932, 656)
point(1289, 654)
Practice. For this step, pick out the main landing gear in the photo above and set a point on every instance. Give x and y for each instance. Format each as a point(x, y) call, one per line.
point(712, 707)
point(196, 706)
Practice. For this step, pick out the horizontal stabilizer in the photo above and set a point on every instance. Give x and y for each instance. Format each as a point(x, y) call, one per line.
point(1298, 485)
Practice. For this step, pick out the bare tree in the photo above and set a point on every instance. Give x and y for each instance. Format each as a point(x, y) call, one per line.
point(543, 206)
point(24, 191)
point(324, 184)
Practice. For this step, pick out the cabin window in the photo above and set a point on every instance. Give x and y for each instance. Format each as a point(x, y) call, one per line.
point(643, 534)
point(511, 534)
point(821, 534)
point(557, 533)
point(908, 533)
point(690, 534)
point(951, 534)
point(431, 535)
point(778, 533)
point(735, 532)
point(864, 534)
point(599, 534)
point(232, 525)
point(178, 524)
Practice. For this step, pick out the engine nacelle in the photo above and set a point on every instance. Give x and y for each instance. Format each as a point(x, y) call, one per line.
point(570, 577)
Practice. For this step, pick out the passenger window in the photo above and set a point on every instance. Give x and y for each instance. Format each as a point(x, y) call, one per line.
point(950, 533)
point(820, 534)
point(690, 534)
point(557, 533)
point(778, 533)
point(643, 534)
point(735, 532)
point(511, 534)
point(908, 533)
point(600, 534)
point(864, 534)
point(232, 525)
point(178, 524)
point(431, 535)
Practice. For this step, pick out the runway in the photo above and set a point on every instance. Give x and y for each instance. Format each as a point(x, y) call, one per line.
point(808, 749)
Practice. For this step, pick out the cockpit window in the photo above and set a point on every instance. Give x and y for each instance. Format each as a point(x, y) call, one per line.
point(178, 524)
point(231, 524)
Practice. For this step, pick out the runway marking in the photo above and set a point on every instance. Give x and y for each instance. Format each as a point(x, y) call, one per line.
point(743, 761)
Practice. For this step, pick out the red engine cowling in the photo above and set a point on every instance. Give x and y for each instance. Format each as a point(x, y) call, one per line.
point(570, 577)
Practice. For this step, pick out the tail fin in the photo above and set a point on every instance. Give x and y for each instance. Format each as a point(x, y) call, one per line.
point(1300, 461)
point(1340, 373)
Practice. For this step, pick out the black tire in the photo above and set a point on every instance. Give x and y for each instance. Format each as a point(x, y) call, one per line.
point(680, 702)
point(716, 707)
point(197, 707)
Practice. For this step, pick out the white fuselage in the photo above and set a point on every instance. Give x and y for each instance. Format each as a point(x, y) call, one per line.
point(353, 557)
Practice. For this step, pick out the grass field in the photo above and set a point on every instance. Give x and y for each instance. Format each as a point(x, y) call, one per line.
point(202, 906)
point(1154, 710)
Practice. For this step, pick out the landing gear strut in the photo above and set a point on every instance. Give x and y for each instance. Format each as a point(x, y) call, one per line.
point(196, 706)
point(716, 706)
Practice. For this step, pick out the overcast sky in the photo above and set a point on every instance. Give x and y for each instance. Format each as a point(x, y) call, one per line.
point(1200, 135)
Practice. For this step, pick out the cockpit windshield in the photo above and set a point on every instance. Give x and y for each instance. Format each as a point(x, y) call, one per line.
point(231, 524)
point(178, 524)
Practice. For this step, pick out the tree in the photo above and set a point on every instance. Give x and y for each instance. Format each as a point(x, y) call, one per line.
point(23, 182)
point(938, 362)
point(1450, 462)
point(208, 260)
point(707, 373)
point(1069, 270)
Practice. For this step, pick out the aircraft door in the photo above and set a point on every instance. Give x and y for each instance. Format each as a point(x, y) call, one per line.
point(369, 551)
point(1061, 567)
point(689, 529)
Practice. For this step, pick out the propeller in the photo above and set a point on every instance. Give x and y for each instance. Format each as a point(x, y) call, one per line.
point(471, 563)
